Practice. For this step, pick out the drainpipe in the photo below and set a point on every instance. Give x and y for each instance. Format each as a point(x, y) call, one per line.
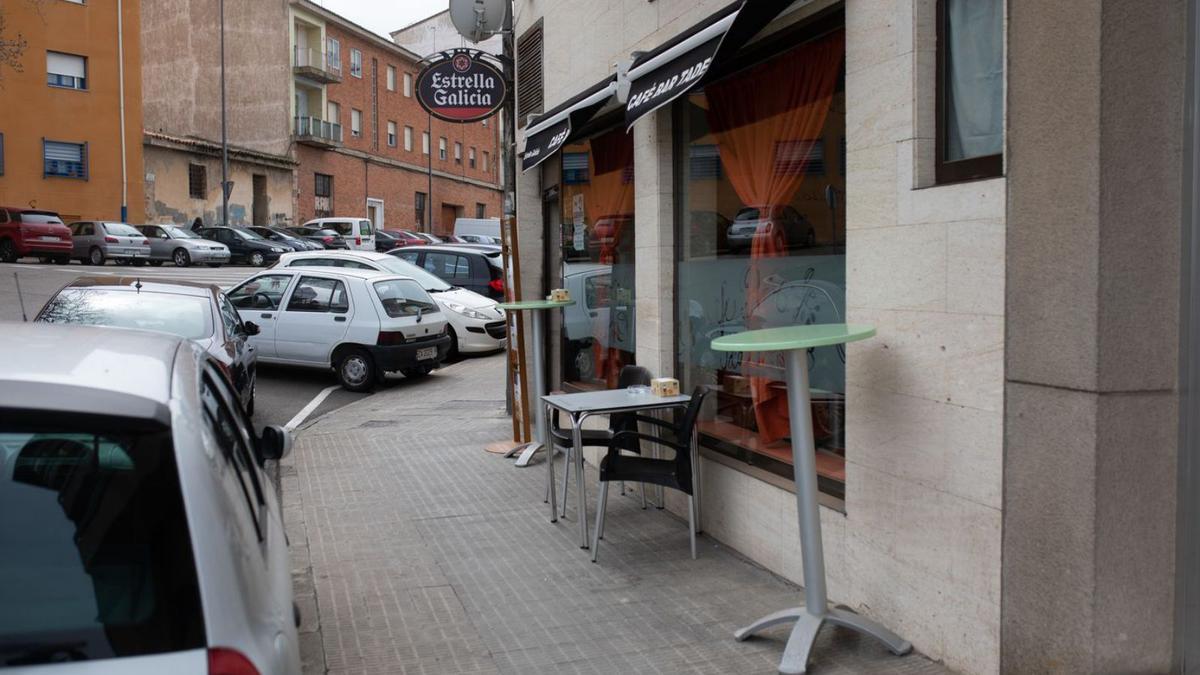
point(121, 107)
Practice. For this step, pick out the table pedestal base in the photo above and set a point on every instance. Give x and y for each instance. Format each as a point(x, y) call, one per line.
point(527, 451)
point(804, 634)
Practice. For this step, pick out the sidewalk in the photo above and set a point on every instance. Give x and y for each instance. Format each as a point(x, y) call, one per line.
point(414, 551)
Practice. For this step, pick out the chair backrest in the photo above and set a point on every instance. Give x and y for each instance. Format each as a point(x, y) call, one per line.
point(683, 436)
point(629, 376)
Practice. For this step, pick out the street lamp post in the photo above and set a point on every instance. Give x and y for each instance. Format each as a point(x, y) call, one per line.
point(224, 137)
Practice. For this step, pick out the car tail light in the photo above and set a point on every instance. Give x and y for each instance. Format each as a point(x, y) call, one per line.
point(145, 242)
point(225, 661)
point(390, 337)
point(327, 240)
point(497, 285)
point(109, 239)
point(358, 241)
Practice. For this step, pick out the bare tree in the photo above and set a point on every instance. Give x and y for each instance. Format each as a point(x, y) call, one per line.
point(11, 48)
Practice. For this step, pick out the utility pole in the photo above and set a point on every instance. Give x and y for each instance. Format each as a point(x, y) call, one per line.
point(429, 173)
point(224, 137)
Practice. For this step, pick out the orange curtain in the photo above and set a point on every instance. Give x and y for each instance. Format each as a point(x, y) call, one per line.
point(759, 118)
point(611, 212)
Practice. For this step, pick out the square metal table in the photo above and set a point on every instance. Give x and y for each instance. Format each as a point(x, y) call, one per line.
point(582, 405)
point(796, 341)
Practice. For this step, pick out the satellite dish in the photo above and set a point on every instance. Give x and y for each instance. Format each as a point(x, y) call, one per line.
point(478, 20)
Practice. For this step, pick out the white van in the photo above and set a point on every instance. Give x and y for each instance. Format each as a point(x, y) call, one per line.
point(358, 233)
point(488, 227)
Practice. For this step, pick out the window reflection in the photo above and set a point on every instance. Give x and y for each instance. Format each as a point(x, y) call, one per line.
point(761, 243)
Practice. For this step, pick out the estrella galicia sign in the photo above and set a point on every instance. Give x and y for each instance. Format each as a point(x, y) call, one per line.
point(461, 87)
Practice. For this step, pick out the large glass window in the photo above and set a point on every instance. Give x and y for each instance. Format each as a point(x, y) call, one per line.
point(597, 254)
point(761, 243)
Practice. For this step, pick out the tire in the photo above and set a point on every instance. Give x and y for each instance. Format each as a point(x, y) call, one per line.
point(213, 264)
point(257, 259)
point(452, 355)
point(8, 251)
point(96, 256)
point(181, 258)
point(356, 370)
point(155, 263)
point(417, 371)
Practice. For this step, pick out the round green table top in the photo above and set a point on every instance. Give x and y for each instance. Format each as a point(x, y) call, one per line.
point(533, 304)
point(792, 337)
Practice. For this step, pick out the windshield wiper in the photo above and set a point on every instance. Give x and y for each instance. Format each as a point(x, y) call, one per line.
point(33, 653)
point(437, 290)
point(420, 311)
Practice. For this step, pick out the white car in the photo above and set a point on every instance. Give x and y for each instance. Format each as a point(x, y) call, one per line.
point(140, 533)
point(476, 322)
point(358, 233)
point(361, 323)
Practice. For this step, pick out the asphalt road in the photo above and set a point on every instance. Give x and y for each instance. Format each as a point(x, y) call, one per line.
point(282, 391)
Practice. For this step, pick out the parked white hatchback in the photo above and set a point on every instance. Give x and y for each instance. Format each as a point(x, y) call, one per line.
point(358, 233)
point(476, 322)
point(360, 323)
point(140, 533)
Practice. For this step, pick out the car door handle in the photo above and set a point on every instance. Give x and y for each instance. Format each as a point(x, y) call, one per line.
point(265, 315)
point(339, 318)
point(593, 314)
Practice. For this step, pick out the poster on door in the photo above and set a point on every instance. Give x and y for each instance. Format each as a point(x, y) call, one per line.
point(579, 243)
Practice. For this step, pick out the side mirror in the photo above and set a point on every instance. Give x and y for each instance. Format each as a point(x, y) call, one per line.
point(275, 443)
point(251, 328)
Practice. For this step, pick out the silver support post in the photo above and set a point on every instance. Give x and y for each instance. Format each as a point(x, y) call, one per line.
point(804, 469)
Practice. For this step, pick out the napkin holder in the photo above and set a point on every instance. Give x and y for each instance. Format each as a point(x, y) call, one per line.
point(664, 386)
point(560, 295)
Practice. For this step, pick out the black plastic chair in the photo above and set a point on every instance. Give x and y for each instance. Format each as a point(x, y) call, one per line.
point(675, 473)
point(599, 438)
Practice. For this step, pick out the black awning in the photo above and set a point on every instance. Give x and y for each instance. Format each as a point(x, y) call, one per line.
point(677, 66)
point(548, 132)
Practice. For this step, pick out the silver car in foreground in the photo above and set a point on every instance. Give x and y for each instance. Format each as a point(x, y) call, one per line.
point(139, 530)
point(171, 243)
point(94, 242)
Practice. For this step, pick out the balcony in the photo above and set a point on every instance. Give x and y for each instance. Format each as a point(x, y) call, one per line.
point(318, 132)
point(314, 65)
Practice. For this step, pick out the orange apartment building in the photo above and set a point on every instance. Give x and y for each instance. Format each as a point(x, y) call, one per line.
point(365, 147)
point(69, 142)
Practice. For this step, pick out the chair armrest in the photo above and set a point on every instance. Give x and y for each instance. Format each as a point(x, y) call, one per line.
point(655, 421)
point(617, 437)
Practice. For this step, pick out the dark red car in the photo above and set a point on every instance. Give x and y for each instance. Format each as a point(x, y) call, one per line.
point(29, 232)
point(406, 238)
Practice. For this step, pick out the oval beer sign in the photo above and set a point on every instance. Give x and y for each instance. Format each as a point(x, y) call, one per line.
point(460, 87)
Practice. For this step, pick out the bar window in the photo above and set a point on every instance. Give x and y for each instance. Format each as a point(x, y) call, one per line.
point(68, 71)
point(64, 160)
point(970, 90)
point(760, 243)
point(356, 63)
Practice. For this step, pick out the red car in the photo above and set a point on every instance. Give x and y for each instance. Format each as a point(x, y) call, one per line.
point(29, 232)
point(406, 238)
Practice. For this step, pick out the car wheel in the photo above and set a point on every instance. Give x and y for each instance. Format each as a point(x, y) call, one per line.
point(155, 263)
point(8, 251)
point(356, 370)
point(96, 256)
point(453, 354)
point(417, 371)
point(181, 258)
point(257, 259)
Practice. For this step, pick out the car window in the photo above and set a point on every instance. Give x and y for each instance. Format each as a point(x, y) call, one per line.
point(315, 294)
point(98, 561)
point(364, 227)
point(409, 256)
point(427, 281)
point(403, 297)
point(341, 227)
point(596, 291)
point(121, 230)
point(448, 265)
point(263, 292)
point(229, 431)
point(183, 315)
point(151, 231)
point(83, 229)
point(229, 317)
point(180, 233)
point(38, 218)
point(312, 262)
point(352, 264)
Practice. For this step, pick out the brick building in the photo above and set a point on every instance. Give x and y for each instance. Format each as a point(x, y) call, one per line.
point(365, 147)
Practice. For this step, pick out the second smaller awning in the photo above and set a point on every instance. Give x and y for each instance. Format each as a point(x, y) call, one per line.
point(551, 130)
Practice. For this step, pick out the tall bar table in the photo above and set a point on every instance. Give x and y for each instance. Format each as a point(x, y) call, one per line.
point(536, 309)
point(796, 341)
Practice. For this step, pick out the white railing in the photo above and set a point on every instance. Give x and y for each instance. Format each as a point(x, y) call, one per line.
point(319, 128)
point(312, 58)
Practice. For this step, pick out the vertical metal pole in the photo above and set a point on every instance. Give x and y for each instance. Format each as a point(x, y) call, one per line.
point(539, 379)
point(429, 171)
point(224, 135)
point(121, 110)
point(804, 466)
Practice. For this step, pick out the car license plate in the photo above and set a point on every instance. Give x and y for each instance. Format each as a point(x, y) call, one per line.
point(426, 353)
point(46, 237)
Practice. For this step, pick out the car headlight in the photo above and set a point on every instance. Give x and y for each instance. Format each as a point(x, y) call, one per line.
point(276, 249)
point(465, 311)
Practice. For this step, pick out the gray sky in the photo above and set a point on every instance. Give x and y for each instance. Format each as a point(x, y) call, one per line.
point(384, 16)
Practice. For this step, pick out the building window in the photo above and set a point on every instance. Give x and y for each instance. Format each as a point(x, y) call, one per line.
point(487, 157)
point(333, 55)
point(391, 78)
point(419, 205)
point(391, 134)
point(66, 70)
point(529, 72)
point(335, 113)
point(425, 142)
point(970, 90)
point(355, 122)
point(480, 210)
point(356, 63)
point(442, 148)
point(322, 196)
point(457, 153)
point(408, 84)
point(597, 244)
point(197, 181)
point(408, 132)
point(66, 160)
point(758, 245)
point(471, 157)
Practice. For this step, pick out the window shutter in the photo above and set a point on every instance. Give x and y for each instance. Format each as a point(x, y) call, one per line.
point(65, 64)
point(530, 96)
